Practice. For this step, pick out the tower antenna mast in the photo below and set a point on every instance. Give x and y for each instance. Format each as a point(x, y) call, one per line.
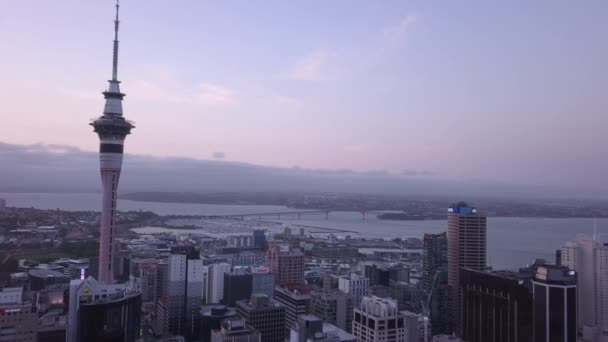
point(115, 54)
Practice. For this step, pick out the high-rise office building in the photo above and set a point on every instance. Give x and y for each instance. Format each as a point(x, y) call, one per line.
point(161, 280)
point(554, 291)
point(332, 306)
point(296, 300)
point(287, 264)
point(103, 312)
point(466, 241)
point(434, 257)
point(407, 295)
point(112, 128)
point(235, 330)
point(440, 305)
point(237, 286)
point(378, 319)
point(211, 319)
point(146, 276)
point(184, 291)
point(18, 318)
point(589, 258)
point(354, 285)
point(264, 314)
point(262, 281)
point(216, 282)
point(398, 273)
point(466, 249)
point(160, 319)
point(497, 306)
point(259, 238)
point(414, 328)
point(382, 274)
point(205, 288)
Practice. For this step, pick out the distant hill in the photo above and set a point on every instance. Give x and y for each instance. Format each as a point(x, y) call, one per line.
point(51, 168)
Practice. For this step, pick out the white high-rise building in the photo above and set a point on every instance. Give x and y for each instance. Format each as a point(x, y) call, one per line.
point(185, 287)
point(589, 258)
point(355, 285)
point(414, 326)
point(379, 320)
point(216, 282)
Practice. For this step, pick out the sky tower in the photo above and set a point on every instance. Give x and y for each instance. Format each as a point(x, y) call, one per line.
point(112, 129)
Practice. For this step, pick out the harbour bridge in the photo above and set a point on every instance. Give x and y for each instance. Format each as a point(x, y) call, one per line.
point(290, 214)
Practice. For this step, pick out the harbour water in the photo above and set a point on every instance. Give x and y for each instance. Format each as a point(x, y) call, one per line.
point(512, 242)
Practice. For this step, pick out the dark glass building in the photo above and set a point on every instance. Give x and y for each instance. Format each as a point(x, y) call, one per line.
point(440, 305)
point(434, 257)
point(382, 274)
point(259, 238)
point(377, 275)
point(110, 320)
point(554, 289)
point(496, 306)
point(237, 286)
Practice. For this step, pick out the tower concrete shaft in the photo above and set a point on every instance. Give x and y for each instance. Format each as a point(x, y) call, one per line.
point(112, 128)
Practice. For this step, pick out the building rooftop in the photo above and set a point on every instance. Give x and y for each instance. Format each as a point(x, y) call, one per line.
point(236, 326)
point(52, 320)
point(45, 273)
point(294, 291)
point(259, 301)
point(11, 295)
point(308, 317)
point(353, 276)
point(335, 333)
point(100, 293)
point(462, 208)
point(379, 307)
point(217, 311)
point(557, 275)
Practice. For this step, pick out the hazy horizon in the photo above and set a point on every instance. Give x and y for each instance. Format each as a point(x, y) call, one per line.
point(453, 94)
point(55, 168)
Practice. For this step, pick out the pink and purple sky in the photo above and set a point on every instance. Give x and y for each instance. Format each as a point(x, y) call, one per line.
point(513, 92)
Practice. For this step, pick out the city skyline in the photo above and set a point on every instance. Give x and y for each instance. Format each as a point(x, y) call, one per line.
point(243, 247)
point(487, 92)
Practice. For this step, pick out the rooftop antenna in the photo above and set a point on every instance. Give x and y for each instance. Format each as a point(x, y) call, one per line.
point(115, 55)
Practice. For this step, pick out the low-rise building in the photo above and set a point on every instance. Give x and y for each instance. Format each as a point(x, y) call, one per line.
point(310, 328)
point(18, 318)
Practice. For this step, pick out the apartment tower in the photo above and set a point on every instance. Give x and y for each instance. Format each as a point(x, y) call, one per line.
point(466, 249)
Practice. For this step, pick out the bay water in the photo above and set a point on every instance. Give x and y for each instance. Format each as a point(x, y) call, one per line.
point(512, 242)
